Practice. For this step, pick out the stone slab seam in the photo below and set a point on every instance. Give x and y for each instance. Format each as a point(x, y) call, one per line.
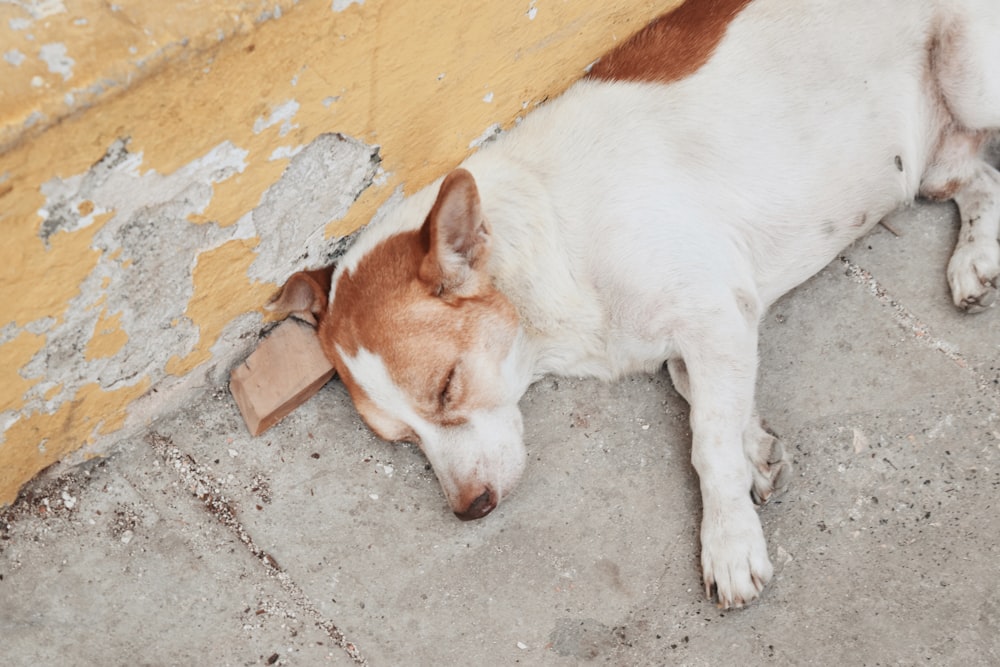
point(197, 479)
point(910, 323)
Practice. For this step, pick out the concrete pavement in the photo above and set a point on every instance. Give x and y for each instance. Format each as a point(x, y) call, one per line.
point(316, 543)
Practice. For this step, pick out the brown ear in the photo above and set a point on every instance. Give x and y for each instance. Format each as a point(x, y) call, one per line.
point(304, 295)
point(458, 237)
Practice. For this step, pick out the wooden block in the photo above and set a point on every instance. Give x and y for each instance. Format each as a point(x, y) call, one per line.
point(285, 370)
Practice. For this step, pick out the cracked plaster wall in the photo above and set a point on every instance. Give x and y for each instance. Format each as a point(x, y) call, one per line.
point(164, 166)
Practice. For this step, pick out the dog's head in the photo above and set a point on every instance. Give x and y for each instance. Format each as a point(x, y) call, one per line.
point(427, 346)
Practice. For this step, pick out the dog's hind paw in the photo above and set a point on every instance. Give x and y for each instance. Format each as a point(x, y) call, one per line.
point(974, 275)
point(770, 467)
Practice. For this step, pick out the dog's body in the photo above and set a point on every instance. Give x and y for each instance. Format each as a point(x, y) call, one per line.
point(651, 214)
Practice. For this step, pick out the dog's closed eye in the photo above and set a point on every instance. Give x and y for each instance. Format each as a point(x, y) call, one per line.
point(445, 393)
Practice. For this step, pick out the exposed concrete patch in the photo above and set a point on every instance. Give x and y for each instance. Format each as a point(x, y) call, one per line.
point(143, 275)
point(319, 185)
point(283, 113)
point(54, 56)
point(38, 9)
point(172, 393)
point(14, 57)
point(488, 135)
point(65, 208)
point(341, 5)
point(285, 152)
point(142, 284)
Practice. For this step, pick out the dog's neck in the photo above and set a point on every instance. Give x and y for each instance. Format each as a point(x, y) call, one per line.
point(563, 324)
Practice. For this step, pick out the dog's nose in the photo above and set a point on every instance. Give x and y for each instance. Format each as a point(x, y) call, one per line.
point(479, 507)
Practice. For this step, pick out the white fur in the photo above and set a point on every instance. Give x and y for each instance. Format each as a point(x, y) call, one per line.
point(635, 223)
point(486, 452)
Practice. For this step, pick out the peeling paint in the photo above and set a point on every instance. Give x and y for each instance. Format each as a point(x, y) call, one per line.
point(285, 152)
point(107, 47)
point(341, 5)
point(283, 113)
point(319, 185)
point(488, 135)
point(39, 9)
point(35, 118)
point(132, 321)
point(65, 197)
point(143, 276)
point(181, 164)
point(14, 57)
point(10, 352)
point(54, 55)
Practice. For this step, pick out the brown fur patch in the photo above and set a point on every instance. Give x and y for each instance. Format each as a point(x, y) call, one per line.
point(673, 46)
point(943, 193)
point(386, 308)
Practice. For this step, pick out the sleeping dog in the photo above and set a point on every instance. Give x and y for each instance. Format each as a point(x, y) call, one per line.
point(650, 215)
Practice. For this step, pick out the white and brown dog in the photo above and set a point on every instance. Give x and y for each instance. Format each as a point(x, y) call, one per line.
point(651, 214)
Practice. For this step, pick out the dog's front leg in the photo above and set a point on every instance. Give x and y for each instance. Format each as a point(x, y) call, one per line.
point(722, 371)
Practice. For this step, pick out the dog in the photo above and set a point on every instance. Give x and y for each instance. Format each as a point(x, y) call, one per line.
point(649, 216)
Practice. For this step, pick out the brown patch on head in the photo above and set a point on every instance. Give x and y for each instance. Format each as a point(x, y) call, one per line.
point(423, 338)
point(422, 301)
point(673, 46)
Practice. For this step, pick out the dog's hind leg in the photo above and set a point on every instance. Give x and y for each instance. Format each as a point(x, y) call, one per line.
point(958, 172)
point(679, 376)
point(965, 66)
point(770, 468)
point(974, 267)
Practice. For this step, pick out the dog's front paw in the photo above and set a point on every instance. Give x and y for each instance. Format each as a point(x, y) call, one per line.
point(734, 560)
point(770, 467)
point(973, 276)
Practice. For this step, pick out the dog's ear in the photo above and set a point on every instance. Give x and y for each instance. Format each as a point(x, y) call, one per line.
point(304, 295)
point(457, 237)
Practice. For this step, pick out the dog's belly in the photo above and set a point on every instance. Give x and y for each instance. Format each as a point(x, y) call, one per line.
point(655, 185)
point(775, 192)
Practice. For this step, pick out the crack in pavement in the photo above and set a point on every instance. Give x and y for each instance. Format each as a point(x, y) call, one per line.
point(200, 483)
point(909, 322)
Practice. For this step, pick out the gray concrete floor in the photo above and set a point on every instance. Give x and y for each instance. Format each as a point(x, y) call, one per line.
point(316, 543)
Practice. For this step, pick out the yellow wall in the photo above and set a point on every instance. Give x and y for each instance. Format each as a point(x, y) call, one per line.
point(180, 116)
